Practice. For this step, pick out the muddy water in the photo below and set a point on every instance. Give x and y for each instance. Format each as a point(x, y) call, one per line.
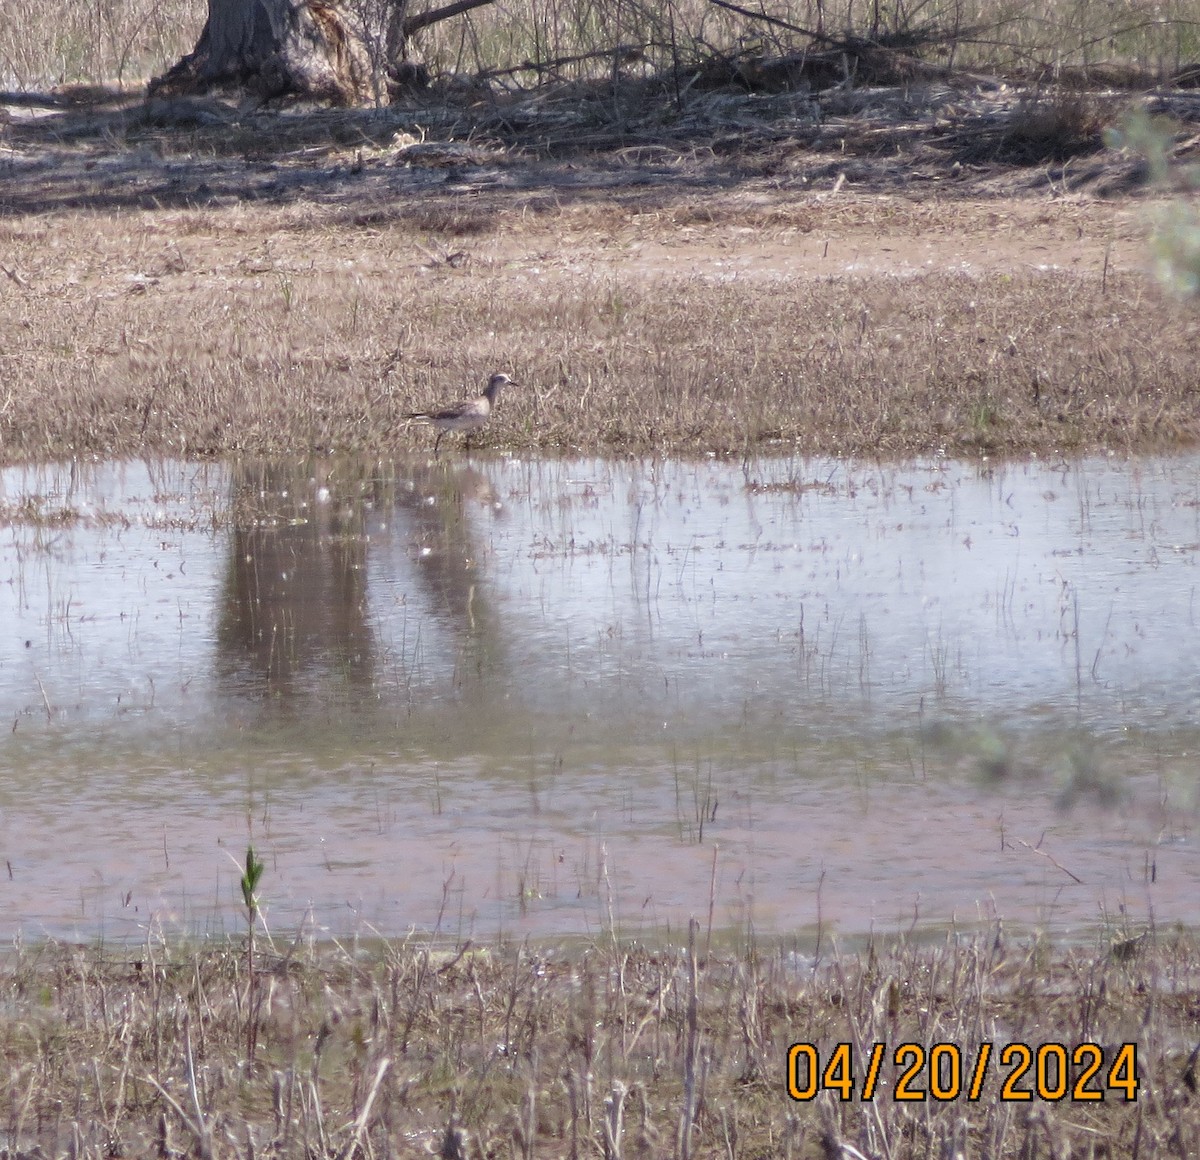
point(559, 697)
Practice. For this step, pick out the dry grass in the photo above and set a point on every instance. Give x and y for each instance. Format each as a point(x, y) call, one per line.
point(57, 42)
point(253, 331)
point(68, 41)
point(398, 1049)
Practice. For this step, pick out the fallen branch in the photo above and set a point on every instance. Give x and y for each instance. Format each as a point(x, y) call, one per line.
point(893, 43)
point(623, 51)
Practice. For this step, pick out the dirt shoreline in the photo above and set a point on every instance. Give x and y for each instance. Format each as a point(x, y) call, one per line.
point(188, 282)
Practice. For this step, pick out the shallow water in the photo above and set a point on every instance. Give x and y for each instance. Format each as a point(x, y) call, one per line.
point(552, 697)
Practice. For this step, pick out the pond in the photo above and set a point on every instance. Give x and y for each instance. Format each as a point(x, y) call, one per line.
point(491, 696)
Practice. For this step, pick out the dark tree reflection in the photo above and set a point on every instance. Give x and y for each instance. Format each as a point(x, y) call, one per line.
point(294, 614)
point(298, 629)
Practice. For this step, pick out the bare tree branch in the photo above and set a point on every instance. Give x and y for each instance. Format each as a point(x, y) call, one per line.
point(830, 40)
point(622, 51)
point(434, 15)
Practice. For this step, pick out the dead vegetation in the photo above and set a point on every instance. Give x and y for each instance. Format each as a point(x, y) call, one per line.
point(404, 1049)
point(816, 42)
point(922, 85)
point(257, 332)
point(209, 277)
point(201, 278)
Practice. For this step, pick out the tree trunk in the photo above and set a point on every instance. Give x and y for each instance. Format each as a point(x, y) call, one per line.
point(275, 47)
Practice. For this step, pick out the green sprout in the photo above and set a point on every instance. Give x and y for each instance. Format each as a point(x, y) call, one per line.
point(250, 880)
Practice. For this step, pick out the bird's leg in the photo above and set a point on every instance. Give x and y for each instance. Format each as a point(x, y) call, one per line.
point(437, 443)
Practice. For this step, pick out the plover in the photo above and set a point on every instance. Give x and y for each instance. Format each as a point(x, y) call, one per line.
point(467, 416)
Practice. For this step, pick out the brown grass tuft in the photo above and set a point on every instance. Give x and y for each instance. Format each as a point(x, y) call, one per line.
point(1056, 126)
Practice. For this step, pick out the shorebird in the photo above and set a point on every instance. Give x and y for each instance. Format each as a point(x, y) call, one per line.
point(468, 416)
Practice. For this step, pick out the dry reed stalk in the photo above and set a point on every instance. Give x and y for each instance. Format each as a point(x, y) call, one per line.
point(334, 1084)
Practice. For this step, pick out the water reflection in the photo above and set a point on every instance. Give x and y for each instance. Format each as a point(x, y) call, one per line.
point(539, 695)
point(293, 615)
point(297, 628)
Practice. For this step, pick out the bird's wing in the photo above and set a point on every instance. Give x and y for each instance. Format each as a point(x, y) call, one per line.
point(454, 412)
